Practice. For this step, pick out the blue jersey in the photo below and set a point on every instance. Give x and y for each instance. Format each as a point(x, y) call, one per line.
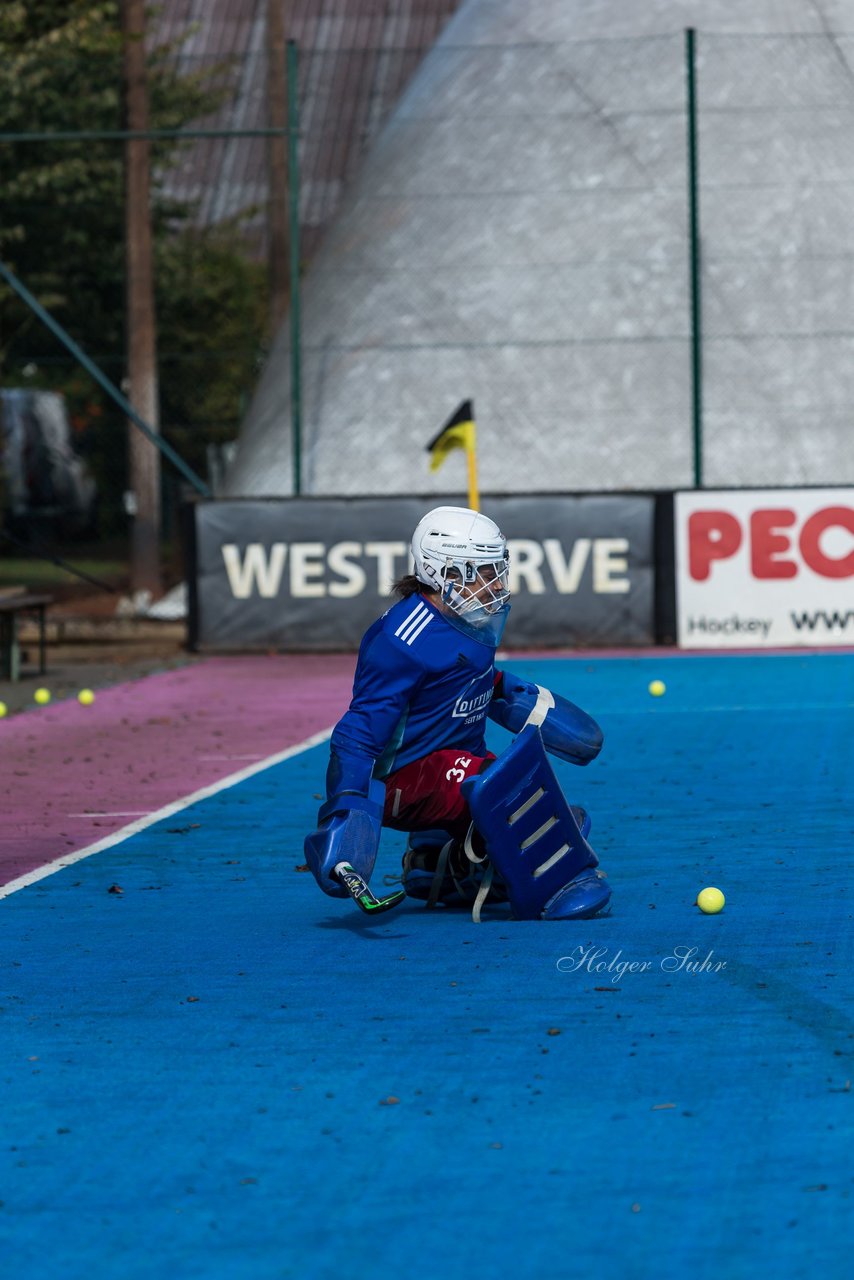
point(420, 685)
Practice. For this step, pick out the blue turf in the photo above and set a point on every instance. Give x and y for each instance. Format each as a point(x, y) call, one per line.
point(195, 1071)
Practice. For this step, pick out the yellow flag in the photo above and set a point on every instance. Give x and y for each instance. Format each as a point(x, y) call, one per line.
point(458, 433)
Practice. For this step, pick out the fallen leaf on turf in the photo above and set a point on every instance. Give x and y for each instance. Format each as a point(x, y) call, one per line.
point(553, 1031)
point(391, 1101)
point(663, 1106)
point(303, 866)
point(115, 888)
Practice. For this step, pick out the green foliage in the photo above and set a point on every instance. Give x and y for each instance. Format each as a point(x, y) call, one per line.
point(212, 308)
point(58, 198)
point(62, 233)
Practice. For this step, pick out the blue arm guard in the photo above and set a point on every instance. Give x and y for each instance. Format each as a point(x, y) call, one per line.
point(567, 731)
point(349, 822)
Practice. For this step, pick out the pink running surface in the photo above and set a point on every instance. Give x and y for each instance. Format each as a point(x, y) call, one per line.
point(73, 775)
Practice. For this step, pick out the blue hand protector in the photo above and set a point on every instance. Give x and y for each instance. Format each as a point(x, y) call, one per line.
point(349, 823)
point(567, 731)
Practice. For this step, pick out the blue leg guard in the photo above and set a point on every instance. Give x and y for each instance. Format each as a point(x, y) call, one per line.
point(533, 838)
point(460, 879)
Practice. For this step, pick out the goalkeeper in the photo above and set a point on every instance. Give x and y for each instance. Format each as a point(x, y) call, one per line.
point(409, 753)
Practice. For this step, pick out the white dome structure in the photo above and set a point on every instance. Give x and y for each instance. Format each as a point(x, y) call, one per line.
point(519, 236)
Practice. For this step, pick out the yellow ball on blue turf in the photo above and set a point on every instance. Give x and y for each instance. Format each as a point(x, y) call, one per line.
point(86, 697)
point(42, 696)
point(710, 901)
point(657, 688)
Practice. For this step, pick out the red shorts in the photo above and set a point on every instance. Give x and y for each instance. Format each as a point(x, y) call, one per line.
point(427, 793)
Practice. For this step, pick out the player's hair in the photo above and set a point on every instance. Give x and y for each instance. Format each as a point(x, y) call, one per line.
point(409, 585)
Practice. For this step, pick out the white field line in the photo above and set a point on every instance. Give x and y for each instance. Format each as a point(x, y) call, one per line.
point(661, 707)
point(211, 759)
point(68, 859)
point(104, 813)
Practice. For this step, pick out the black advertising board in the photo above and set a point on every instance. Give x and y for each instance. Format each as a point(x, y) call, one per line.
point(313, 573)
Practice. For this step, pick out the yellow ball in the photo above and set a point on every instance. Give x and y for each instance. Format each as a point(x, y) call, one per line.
point(42, 696)
point(710, 901)
point(657, 687)
point(86, 697)
point(3, 709)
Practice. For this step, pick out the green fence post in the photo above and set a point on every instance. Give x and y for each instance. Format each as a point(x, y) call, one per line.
point(103, 381)
point(293, 210)
point(694, 260)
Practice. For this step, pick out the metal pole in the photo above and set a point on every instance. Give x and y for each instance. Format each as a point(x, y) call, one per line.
point(143, 460)
point(277, 161)
point(695, 263)
point(293, 208)
point(102, 380)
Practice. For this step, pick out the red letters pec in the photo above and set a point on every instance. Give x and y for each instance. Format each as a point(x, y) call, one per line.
point(773, 545)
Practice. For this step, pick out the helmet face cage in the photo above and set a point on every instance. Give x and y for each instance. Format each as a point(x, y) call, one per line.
point(463, 555)
point(476, 587)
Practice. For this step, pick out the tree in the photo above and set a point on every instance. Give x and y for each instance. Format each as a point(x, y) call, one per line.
point(210, 324)
point(141, 322)
point(61, 226)
point(62, 232)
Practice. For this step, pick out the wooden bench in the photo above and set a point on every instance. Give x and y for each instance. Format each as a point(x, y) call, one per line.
point(12, 605)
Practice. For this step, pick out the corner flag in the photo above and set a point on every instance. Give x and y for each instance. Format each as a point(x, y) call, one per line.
point(459, 432)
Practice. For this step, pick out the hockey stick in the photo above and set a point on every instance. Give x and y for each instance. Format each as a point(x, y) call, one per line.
point(362, 894)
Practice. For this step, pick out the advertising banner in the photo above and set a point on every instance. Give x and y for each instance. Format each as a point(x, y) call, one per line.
point(764, 568)
point(313, 573)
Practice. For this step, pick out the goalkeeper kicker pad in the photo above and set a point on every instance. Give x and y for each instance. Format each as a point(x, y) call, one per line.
point(532, 837)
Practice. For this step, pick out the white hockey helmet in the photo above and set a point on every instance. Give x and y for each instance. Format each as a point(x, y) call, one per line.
point(463, 555)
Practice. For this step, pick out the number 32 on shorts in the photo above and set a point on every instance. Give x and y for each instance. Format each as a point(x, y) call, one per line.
point(458, 773)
